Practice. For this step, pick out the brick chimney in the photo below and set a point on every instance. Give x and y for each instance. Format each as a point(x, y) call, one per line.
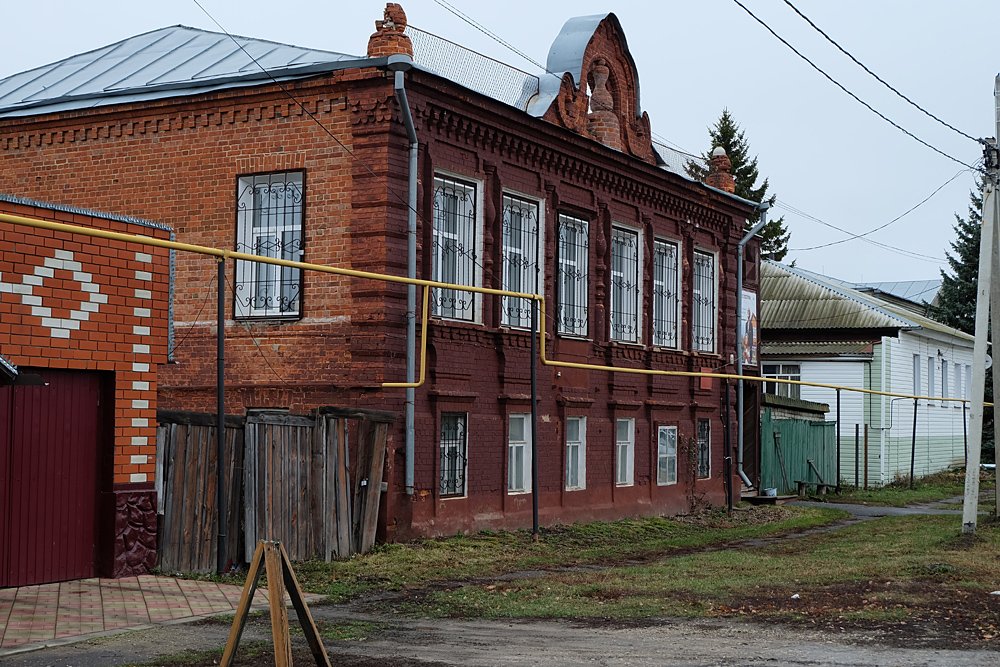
point(720, 171)
point(389, 38)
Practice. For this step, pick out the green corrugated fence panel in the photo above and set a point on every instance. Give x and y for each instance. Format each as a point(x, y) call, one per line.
point(800, 442)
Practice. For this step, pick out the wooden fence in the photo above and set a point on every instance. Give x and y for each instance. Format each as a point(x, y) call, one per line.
point(314, 483)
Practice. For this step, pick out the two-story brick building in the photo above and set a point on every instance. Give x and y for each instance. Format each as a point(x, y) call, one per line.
point(549, 184)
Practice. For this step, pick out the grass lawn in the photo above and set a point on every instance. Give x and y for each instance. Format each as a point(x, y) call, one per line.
point(898, 493)
point(915, 569)
point(487, 554)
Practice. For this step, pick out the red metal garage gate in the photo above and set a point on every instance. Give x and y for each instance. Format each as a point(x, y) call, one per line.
point(49, 478)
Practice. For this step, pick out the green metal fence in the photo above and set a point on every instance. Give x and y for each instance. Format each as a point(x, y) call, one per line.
point(796, 450)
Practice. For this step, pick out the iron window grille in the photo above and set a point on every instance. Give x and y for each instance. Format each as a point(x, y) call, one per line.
point(574, 277)
point(576, 453)
point(624, 285)
point(624, 452)
point(665, 293)
point(455, 247)
point(666, 455)
point(454, 450)
point(519, 454)
point(704, 449)
point(703, 311)
point(269, 223)
point(520, 259)
point(782, 372)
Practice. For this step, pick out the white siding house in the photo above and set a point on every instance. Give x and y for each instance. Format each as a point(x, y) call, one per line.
point(829, 333)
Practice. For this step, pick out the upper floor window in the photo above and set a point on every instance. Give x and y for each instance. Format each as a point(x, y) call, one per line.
point(783, 372)
point(520, 259)
point(666, 287)
point(573, 281)
point(703, 310)
point(455, 248)
point(269, 223)
point(624, 285)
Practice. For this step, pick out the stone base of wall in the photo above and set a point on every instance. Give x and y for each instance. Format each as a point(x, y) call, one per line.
point(132, 547)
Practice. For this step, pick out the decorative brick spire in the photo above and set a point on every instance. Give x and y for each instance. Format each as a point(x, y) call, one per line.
point(389, 38)
point(720, 169)
point(602, 121)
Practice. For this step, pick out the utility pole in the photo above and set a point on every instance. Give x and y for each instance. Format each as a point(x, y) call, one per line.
point(986, 296)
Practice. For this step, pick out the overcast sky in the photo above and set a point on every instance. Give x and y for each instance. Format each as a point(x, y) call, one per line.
point(825, 155)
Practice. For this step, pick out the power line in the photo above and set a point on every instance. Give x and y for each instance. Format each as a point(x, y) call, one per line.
point(893, 221)
point(848, 92)
point(486, 31)
point(878, 78)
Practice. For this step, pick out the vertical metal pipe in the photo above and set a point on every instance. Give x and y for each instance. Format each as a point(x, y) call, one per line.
point(913, 443)
point(866, 457)
point(838, 440)
point(728, 460)
point(220, 424)
point(534, 419)
point(857, 455)
point(965, 434)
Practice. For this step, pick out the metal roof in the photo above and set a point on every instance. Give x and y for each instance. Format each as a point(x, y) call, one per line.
point(24, 201)
point(914, 291)
point(793, 298)
point(176, 60)
point(7, 369)
point(815, 349)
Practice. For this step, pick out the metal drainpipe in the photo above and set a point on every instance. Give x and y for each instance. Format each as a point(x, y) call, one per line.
point(739, 333)
point(400, 64)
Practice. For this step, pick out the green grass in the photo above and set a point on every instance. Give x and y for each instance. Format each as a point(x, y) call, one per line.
point(246, 651)
point(487, 554)
point(875, 570)
point(898, 493)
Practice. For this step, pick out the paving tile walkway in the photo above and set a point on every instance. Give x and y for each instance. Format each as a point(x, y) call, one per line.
point(37, 616)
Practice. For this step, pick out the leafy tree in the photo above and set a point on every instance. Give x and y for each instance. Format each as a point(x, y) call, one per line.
point(956, 304)
point(727, 133)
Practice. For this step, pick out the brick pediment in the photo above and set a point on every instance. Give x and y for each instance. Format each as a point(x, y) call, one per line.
point(598, 95)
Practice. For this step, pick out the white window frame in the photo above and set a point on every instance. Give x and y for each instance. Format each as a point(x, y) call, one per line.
point(700, 311)
point(523, 280)
point(782, 370)
point(257, 276)
point(576, 452)
point(663, 310)
point(620, 304)
point(931, 377)
point(462, 449)
point(707, 444)
point(944, 382)
point(665, 474)
point(575, 259)
point(519, 483)
point(625, 452)
point(917, 385)
point(473, 264)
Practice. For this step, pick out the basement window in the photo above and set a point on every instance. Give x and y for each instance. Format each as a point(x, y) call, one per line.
point(269, 223)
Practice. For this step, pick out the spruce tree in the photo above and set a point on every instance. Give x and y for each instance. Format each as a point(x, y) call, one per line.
point(727, 133)
point(956, 301)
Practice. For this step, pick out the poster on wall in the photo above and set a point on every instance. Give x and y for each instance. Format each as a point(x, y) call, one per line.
point(749, 328)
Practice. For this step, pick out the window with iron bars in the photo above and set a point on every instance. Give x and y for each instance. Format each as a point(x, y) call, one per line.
point(665, 293)
point(573, 279)
point(269, 223)
point(454, 460)
point(782, 372)
point(520, 259)
point(703, 309)
point(455, 246)
point(624, 285)
point(704, 449)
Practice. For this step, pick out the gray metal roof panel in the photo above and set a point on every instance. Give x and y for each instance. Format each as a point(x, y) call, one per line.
point(23, 201)
point(7, 368)
point(815, 349)
point(178, 58)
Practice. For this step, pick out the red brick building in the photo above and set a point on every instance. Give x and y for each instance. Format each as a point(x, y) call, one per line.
point(527, 183)
point(83, 325)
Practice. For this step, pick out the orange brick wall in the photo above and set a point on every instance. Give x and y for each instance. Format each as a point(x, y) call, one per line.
point(75, 302)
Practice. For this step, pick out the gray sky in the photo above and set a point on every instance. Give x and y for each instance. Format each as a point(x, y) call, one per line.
point(824, 154)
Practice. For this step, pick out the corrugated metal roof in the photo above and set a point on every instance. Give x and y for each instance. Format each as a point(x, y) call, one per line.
point(793, 298)
point(177, 59)
point(815, 349)
point(916, 291)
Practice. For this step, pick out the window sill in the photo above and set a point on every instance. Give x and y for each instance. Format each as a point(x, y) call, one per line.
point(673, 483)
point(518, 493)
point(267, 319)
point(570, 489)
point(624, 486)
point(463, 497)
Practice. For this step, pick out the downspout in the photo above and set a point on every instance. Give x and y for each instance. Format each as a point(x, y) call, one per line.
point(881, 423)
point(400, 64)
point(739, 333)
